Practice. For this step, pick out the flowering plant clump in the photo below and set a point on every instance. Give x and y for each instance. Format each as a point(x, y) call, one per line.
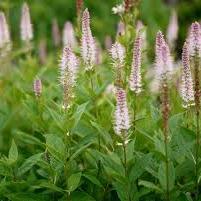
point(88, 128)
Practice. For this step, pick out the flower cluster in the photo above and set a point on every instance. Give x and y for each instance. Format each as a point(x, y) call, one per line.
point(173, 28)
point(37, 87)
point(4, 31)
point(55, 33)
point(118, 52)
point(69, 35)
point(26, 26)
point(118, 55)
point(187, 91)
point(163, 61)
point(88, 42)
point(122, 120)
point(135, 76)
point(68, 72)
point(118, 9)
point(194, 40)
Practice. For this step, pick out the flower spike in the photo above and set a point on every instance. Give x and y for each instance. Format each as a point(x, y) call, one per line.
point(88, 42)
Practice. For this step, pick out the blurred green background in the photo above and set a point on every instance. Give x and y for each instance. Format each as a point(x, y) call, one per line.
point(154, 14)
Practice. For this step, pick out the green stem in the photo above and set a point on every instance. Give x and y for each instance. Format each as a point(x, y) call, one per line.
point(197, 109)
point(197, 154)
point(134, 110)
point(125, 159)
point(167, 166)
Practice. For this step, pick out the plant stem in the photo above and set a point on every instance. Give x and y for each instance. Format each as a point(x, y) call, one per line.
point(197, 109)
point(197, 153)
point(96, 115)
point(134, 110)
point(165, 112)
point(125, 158)
point(167, 167)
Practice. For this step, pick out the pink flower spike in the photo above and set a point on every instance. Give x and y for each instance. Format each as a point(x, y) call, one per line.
point(194, 40)
point(55, 33)
point(135, 76)
point(173, 28)
point(88, 42)
point(118, 52)
point(187, 91)
point(37, 87)
point(163, 60)
point(26, 26)
point(4, 31)
point(122, 120)
point(68, 66)
point(69, 35)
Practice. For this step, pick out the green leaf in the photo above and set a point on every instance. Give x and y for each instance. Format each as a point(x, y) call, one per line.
point(27, 138)
point(81, 196)
point(78, 113)
point(73, 181)
point(55, 146)
point(149, 185)
point(29, 163)
point(93, 179)
point(104, 134)
point(79, 151)
point(163, 178)
point(25, 197)
point(13, 153)
point(139, 167)
point(45, 184)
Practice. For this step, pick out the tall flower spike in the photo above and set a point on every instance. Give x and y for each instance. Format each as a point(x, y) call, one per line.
point(69, 35)
point(122, 120)
point(172, 31)
point(194, 40)
point(118, 55)
point(56, 33)
point(68, 71)
point(163, 61)
point(26, 26)
point(135, 76)
point(187, 91)
point(118, 52)
point(88, 43)
point(4, 31)
point(37, 87)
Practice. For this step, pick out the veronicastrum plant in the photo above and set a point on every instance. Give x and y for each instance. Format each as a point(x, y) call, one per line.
point(104, 125)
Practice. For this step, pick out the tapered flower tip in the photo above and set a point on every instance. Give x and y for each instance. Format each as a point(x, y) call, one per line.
point(69, 35)
point(37, 87)
point(68, 60)
point(4, 31)
point(163, 60)
point(86, 17)
point(172, 31)
point(88, 49)
point(118, 52)
point(187, 91)
point(56, 33)
point(26, 26)
point(194, 39)
point(159, 41)
point(135, 76)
